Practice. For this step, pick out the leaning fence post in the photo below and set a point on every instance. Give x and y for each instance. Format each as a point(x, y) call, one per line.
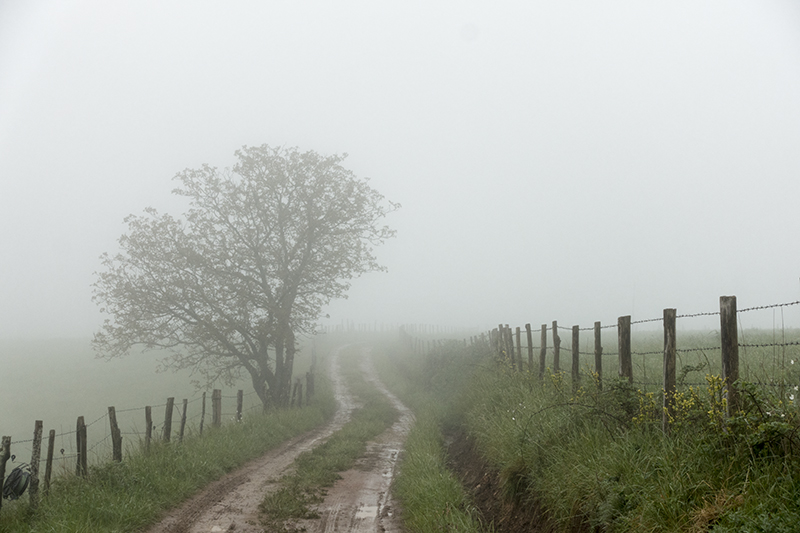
point(168, 419)
point(529, 334)
point(183, 419)
point(556, 348)
point(543, 351)
point(598, 355)
point(202, 414)
point(80, 437)
point(519, 350)
point(5, 453)
point(729, 337)
point(624, 336)
point(670, 350)
point(148, 431)
point(48, 467)
point(116, 435)
point(576, 378)
point(36, 453)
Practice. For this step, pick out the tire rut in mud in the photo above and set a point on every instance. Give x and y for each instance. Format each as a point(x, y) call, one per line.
point(361, 501)
point(231, 503)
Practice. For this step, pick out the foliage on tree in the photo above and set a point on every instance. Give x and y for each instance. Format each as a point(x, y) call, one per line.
point(229, 286)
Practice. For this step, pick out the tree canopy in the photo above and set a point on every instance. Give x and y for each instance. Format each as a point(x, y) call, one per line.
point(227, 287)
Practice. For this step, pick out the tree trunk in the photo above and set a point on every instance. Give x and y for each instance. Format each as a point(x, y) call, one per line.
point(260, 386)
point(288, 366)
point(276, 389)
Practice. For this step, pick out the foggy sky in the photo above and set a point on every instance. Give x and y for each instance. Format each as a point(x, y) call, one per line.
point(570, 161)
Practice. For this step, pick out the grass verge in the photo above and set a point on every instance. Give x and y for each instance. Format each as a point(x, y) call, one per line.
point(319, 468)
point(129, 496)
point(597, 459)
point(432, 498)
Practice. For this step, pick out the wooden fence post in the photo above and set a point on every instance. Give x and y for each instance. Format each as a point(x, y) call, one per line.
point(168, 419)
point(81, 446)
point(216, 408)
point(529, 335)
point(183, 419)
point(729, 337)
point(148, 431)
point(519, 350)
point(116, 435)
point(543, 351)
point(576, 377)
point(36, 453)
point(509, 346)
point(624, 336)
point(670, 351)
point(239, 404)
point(556, 348)
point(598, 355)
point(501, 341)
point(48, 467)
point(202, 414)
point(5, 453)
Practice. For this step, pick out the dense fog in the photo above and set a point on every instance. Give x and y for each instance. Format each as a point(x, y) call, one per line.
point(570, 161)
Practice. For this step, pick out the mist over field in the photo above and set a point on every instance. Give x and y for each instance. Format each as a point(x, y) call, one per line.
point(571, 162)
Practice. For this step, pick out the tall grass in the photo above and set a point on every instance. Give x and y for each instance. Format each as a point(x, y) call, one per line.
point(431, 497)
point(598, 459)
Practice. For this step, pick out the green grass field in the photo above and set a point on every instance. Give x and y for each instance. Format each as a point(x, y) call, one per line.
point(128, 496)
point(58, 380)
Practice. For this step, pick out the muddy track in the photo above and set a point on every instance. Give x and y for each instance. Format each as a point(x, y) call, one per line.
point(358, 502)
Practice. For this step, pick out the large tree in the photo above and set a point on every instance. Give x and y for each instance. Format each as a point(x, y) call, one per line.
point(227, 287)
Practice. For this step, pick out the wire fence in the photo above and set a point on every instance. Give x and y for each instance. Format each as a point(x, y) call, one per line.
point(769, 358)
point(66, 454)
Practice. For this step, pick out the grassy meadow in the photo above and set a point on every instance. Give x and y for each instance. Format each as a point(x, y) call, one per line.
point(58, 380)
point(129, 496)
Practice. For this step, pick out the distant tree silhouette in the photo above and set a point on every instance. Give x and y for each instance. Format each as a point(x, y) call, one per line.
point(227, 287)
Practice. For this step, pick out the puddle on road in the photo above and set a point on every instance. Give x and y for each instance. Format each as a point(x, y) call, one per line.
point(367, 511)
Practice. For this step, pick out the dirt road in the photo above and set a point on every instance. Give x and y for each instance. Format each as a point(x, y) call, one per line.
point(358, 502)
point(361, 501)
